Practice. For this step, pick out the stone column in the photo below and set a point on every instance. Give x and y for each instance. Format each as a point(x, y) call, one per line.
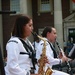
point(26, 8)
point(1, 30)
point(23, 6)
point(58, 21)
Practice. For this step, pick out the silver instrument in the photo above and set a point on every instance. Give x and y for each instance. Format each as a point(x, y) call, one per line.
point(68, 64)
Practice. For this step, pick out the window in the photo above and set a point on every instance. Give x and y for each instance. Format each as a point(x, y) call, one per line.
point(44, 5)
point(15, 5)
point(72, 5)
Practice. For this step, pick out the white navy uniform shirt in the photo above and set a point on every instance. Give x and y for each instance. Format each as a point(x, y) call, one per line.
point(50, 56)
point(49, 53)
point(17, 64)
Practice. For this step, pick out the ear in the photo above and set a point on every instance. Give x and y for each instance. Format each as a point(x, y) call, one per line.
point(48, 33)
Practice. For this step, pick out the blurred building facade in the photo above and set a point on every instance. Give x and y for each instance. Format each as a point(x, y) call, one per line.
point(57, 13)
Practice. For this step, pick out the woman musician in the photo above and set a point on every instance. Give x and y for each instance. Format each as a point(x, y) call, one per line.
point(19, 48)
point(49, 34)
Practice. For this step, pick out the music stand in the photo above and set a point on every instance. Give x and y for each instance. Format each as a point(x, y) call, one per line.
point(2, 71)
point(72, 53)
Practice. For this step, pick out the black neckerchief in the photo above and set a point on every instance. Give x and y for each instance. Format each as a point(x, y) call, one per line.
point(53, 49)
point(31, 52)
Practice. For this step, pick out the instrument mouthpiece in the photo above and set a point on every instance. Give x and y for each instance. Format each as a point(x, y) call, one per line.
point(35, 34)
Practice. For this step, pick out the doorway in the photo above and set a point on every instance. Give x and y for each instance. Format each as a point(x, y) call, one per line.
point(71, 36)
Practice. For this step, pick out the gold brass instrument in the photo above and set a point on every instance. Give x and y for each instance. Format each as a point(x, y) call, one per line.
point(42, 63)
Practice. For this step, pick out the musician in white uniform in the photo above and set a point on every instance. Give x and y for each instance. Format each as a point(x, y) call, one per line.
point(19, 58)
point(50, 35)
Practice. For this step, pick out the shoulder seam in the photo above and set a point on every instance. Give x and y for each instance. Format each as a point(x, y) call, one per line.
point(12, 41)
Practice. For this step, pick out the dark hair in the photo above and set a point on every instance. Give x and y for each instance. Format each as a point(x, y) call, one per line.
point(20, 22)
point(46, 30)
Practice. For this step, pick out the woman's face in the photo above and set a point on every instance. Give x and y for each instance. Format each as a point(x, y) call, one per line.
point(28, 28)
point(53, 35)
